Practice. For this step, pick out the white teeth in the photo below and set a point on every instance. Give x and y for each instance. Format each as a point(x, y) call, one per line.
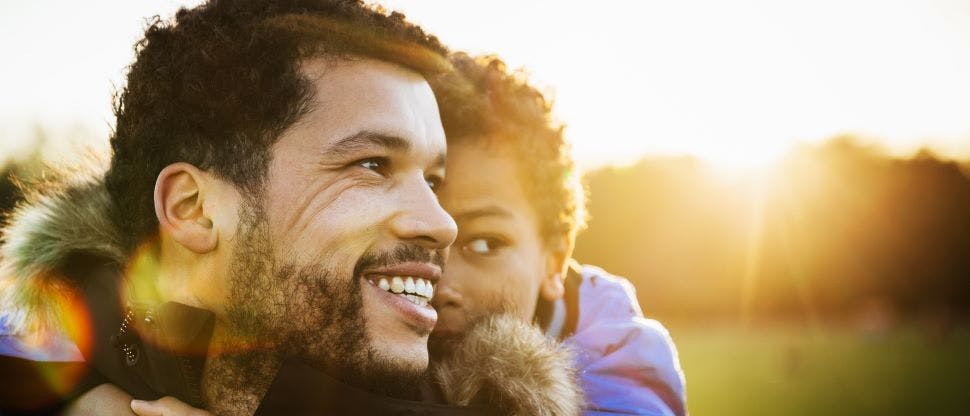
point(415, 289)
point(417, 300)
point(419, 287)
point(397, 285)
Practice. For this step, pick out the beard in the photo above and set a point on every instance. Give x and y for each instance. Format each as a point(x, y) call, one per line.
point(308, 312)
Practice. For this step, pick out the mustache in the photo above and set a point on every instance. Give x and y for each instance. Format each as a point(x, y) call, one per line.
point(403, 253)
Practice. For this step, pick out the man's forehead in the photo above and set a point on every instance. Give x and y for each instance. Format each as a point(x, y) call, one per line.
point(363, 96)
point(335, 67)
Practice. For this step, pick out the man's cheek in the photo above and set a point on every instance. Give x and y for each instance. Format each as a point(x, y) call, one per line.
point(353, 230)
point(336, 239)
point(293, 215)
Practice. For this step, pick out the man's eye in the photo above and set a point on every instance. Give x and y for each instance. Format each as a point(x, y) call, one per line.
point(374, 163)
point(482, 246)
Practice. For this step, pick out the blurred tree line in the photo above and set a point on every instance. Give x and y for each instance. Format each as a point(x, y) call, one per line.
point(839, 231)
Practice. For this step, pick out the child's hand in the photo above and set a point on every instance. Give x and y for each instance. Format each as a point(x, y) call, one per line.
point(166, 406)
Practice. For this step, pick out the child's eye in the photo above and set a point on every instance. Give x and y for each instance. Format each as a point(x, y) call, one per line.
point(434, 182)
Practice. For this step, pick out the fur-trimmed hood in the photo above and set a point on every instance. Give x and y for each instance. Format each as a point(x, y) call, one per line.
point(62, 215)
point(503, 363)
point(508, 365)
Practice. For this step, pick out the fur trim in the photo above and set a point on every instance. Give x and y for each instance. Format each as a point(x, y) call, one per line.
point(508, 365)
point(62, 215)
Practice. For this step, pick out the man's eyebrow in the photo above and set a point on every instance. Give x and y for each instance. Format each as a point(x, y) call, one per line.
point(489, 211)
point(367, 139)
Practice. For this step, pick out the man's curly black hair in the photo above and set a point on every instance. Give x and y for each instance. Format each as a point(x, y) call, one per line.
point(217, 86)
point(482, 102)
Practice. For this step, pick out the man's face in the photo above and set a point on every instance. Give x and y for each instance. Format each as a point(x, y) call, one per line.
point(498, 259)
point(348, 205)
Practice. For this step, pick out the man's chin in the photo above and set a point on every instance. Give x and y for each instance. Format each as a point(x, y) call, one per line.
point(411, 357)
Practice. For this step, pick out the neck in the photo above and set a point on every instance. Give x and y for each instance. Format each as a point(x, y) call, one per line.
point(235, 382)
point(155, 276)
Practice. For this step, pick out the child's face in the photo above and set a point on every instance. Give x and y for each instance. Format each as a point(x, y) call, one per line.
point(499, 261)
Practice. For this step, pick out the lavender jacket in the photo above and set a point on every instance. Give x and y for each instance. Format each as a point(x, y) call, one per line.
point(627, 364)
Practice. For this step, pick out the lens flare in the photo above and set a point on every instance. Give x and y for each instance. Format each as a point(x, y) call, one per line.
point(71, 315)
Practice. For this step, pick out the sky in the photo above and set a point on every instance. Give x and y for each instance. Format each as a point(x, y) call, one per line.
point(736, 83)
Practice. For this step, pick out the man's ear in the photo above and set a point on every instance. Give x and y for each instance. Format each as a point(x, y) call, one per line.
point(180, 192)
point(551, 287)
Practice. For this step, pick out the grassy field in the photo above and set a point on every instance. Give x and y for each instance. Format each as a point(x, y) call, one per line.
point(803, 371)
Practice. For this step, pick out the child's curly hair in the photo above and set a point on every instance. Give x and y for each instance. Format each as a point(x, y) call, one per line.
point(483, 102)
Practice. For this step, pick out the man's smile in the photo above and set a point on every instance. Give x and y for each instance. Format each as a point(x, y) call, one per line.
point(416, 290)
point(407, 288)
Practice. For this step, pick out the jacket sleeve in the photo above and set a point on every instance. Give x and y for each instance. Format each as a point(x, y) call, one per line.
point(628, 364)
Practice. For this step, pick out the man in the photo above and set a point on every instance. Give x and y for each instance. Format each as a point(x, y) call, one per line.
point(273, 162)
point(514, 194)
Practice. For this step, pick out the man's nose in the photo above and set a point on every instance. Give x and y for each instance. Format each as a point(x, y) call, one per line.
point(421, 219)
